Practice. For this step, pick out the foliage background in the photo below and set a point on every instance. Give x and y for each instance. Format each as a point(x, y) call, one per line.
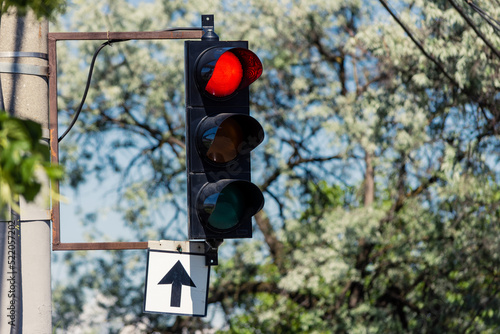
point(23, 159)
point(380, 166)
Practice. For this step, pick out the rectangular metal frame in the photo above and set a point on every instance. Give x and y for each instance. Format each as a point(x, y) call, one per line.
point(53, 121)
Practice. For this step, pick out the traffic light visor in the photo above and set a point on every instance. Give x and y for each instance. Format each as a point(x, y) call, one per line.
point(226, 203)
point(224, 137)
point(221, 72)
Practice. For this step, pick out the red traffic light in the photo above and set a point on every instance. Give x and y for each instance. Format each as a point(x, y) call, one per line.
point(220, 135)
point(226, 76)
point(221, 72)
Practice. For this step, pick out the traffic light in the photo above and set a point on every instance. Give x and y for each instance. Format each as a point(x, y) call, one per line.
point(220, 134)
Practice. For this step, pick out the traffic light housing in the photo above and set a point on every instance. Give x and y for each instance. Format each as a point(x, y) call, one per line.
point(220, 134)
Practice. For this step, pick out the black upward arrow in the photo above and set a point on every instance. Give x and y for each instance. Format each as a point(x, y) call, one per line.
point(177, 276)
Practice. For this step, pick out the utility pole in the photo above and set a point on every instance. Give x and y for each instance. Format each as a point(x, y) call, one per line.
point(24, 94)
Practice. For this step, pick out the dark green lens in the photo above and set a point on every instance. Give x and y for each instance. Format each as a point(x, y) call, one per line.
point(228, 209)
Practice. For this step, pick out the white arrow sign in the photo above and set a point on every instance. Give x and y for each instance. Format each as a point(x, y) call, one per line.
point(177, 279)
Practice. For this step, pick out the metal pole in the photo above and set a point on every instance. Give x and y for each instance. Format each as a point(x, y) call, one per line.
point(23, 50)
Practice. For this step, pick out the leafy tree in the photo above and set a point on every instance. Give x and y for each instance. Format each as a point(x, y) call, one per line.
point(380, 167)
point(45, 8)
point(22, 156)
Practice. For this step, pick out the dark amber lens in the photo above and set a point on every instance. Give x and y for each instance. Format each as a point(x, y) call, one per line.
point(226, 141)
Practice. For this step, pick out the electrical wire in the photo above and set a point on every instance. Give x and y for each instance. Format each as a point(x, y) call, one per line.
point(491, 21)
point(91, 69)
point(87, 86)
point(417, 43)
point(476, 29)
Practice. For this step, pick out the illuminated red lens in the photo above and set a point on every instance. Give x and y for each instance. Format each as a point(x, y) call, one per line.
point(226, 77)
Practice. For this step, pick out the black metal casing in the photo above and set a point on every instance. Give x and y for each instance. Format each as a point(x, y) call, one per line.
point(201, 171)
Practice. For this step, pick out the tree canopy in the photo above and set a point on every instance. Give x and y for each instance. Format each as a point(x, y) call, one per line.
point(379, 167)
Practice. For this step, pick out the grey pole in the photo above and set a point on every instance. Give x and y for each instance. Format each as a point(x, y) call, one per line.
point(24, 93)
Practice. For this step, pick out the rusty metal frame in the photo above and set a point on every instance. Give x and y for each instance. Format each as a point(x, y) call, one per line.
point(53, 121)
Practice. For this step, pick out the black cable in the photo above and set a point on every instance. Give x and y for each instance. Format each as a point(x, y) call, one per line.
point(417, 43)
point(491, 21)
point(481, 11)
point(91, 69)
point(476, 29)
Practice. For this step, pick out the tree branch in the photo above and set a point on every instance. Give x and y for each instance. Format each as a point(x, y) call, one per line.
point(275, 245)
point(369, 182)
